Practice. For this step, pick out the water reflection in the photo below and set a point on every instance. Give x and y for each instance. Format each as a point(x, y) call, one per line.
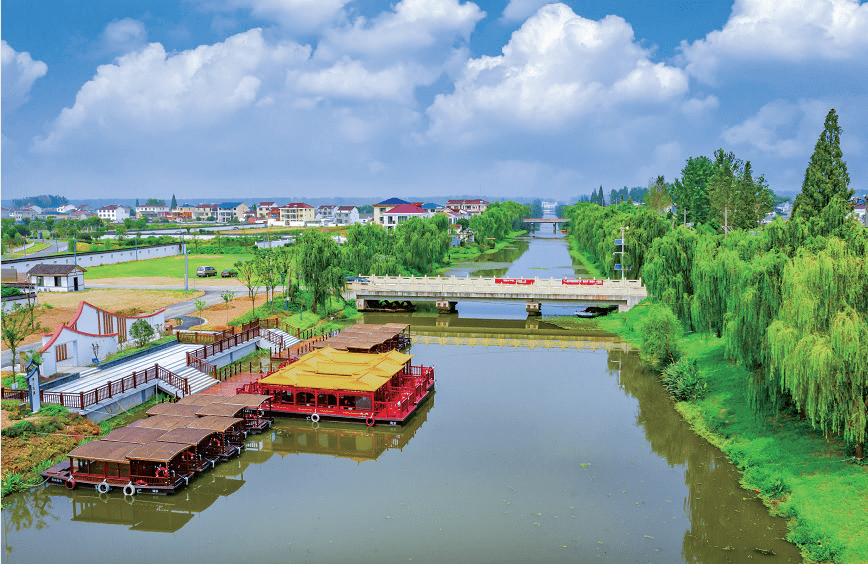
point(169, 514)
point(726, 522)
point(491, 264)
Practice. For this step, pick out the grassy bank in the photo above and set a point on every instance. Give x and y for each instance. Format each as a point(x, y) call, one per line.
point(470, 252)
point(339, 314)
point(801, 476)
point(587, 260)
point(37, 442)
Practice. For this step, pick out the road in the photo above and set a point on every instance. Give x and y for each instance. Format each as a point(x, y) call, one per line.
point(54, 247)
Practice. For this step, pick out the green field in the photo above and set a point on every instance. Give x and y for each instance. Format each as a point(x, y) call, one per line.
point(35, 248)
point(169, 267)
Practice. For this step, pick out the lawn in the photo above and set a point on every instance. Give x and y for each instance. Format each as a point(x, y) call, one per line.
point(30, 250)
point(165, 267)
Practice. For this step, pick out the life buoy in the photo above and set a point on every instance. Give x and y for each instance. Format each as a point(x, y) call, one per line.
point(188, 455)
point(162, 472)
point(130, 489)
point(70, 484)
point(370, 421)
point(141, 483)
point(215, 442)
point(315, 417)
point(103, 487)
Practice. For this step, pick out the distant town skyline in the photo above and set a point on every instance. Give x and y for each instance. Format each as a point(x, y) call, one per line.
point(215, 100)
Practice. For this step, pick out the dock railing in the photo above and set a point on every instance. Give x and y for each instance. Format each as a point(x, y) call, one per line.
point(83, 400)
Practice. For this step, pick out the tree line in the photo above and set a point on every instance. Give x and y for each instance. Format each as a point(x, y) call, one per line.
point(789, 299)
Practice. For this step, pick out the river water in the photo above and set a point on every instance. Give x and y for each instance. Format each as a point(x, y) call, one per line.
point(540, 445)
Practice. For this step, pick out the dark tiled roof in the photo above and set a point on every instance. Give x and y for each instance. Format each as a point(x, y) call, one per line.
point(53, 269)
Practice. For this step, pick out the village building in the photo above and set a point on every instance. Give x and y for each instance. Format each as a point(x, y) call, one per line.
point(297, 214)
point(113, 214)
point(57, 277)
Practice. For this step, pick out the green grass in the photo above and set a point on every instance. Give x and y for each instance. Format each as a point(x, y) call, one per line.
point(30, 250)
point(800, 475)
point(171, 267)
point(586, 259)
point(472, 251)
point(130, 351)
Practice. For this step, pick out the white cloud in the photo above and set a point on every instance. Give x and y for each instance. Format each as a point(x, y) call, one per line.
point(124, 35)
point(762, 31)
point(411, 26)
point(19, 72)
point(151, 89)
point(780, 128)
point(667, 159)
point(520, 10)
point(350, 79)
point(557, 67)
point(295, 15)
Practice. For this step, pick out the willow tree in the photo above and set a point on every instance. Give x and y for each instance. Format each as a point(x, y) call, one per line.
point(819, 342)
point(320, 266)
point(668, 271)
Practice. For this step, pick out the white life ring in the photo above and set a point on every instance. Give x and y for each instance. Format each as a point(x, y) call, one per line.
point(315, 417)
point(130, 489)
point(103, 487)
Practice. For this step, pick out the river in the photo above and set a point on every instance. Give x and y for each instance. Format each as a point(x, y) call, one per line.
point(540, 445)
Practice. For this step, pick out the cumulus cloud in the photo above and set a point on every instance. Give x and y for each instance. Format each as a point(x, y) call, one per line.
point(19, 72)
point(387, 57)
point(762, 31)
point(556, 68)
point(151, 89)
point(295, 15)
point(124, 35)
point(350, 79)
point(410, 26)
point(780, 128)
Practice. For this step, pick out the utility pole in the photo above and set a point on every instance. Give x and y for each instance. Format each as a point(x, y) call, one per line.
point(621, 252)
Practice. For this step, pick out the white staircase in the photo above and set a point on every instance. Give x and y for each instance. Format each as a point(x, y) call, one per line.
point(288, 340)
point(172, 358)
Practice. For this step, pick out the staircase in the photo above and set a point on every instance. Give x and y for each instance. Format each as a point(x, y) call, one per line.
point(286, 339)
point(172, 358)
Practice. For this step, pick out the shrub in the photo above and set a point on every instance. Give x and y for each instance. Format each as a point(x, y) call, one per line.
point(684, 381)
point(54, 410)
point(659, 335)
point(141, 332)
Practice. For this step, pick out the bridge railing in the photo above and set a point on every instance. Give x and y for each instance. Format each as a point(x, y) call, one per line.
point(453, 284)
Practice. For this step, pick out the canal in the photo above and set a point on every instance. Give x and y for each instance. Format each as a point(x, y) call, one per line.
point(540, 445)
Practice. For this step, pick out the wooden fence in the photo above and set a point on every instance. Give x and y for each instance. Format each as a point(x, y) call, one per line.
point(82, 400)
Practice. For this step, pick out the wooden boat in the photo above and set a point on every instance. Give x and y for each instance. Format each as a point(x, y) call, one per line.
point(332, 384)
point(154, 467)
point(229, 439)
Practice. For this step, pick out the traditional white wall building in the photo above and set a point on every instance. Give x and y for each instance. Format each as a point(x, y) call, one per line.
point(228, 211)
point(72, 343)
point(57, 277)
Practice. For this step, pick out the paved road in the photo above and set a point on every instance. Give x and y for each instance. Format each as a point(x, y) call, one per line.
point(54, 248)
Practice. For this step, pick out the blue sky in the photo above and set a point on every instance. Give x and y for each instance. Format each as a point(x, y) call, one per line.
point(215, 99)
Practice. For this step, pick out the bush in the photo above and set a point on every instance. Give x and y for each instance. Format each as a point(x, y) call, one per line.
point(53, 410)
point(142, 332)
point(659, 336)
point(684, 381)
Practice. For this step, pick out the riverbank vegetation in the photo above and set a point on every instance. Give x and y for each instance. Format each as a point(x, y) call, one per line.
point(775, 318)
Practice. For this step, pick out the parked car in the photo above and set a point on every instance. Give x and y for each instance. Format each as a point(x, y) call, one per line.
point(229, 273)
point(205, 271)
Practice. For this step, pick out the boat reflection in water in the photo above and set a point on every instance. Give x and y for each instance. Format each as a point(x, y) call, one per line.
point(168, 514)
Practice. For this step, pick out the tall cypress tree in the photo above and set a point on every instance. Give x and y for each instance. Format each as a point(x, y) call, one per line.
point(826, 176)
point(174, 203)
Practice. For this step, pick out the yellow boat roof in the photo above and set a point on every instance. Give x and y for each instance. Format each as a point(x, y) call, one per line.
point(331, 369)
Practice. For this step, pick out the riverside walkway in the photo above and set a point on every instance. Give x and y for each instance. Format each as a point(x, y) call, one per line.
point(446, 291)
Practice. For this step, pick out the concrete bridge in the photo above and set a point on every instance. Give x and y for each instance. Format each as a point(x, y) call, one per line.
point(446, 291)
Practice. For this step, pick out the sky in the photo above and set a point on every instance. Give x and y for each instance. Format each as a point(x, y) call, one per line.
point(219, 99)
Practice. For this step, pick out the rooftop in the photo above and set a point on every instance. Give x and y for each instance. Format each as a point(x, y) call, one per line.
point(331, 369)
point(407, 209)
point(392, 202)
point(54, 269)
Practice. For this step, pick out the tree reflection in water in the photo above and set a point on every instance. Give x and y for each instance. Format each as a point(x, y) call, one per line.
point(721, 527)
